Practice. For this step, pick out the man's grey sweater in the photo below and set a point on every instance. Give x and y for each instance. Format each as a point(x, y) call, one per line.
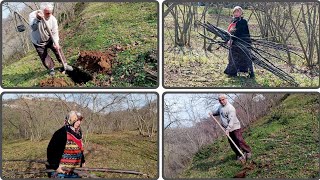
point(39, 34)
point(228, 117)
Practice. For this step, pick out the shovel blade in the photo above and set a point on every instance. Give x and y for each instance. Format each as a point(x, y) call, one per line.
point(79, 75)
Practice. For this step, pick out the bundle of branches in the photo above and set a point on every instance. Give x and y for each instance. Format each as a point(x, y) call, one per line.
point(254, 51)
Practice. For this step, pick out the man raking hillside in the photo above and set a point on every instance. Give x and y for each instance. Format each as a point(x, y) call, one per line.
point(45, 35)
point(231, 126)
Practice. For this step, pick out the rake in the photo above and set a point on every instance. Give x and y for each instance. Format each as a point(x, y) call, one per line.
point(228, 136)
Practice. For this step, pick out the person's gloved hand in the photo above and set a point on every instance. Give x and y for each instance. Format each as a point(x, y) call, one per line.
point(40, 15)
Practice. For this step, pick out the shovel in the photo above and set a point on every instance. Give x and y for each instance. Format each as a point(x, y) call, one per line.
point(229, 138)
point(77, 75)
point(56, 43)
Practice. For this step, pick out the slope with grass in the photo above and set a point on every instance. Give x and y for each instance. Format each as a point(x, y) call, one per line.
point(121, 150)
point(96, 28)
point(285, 144)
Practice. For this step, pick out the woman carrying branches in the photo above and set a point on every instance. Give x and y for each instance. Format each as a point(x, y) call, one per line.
point(239, 56)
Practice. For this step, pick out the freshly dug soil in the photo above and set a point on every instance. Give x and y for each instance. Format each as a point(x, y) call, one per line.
point(94, 61)
point(97, 61)
point(55, 82)
point(88, 65)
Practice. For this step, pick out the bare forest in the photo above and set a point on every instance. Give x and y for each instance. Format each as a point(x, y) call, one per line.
point(36, 117)
point(284, 34)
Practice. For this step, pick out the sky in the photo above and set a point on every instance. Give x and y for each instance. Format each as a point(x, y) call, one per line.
point(183, 104)
point(14, 5)
point(138, 97)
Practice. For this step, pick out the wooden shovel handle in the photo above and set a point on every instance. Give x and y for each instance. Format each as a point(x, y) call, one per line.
point(228, 136)
point(54, 41)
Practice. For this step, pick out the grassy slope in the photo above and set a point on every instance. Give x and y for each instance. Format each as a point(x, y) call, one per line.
point(97, 27)
point(285, 144)
point(195, 68)
point(121, 150)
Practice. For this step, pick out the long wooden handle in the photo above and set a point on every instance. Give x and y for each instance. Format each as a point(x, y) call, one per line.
point(54, 41)
point(228, 136)
point(110, 170)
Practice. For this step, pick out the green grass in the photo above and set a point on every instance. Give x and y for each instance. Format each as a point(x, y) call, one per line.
point(120, 150)
point(116, 23)
point(285, 144)
point(25, 73)
point(97, 27)
point(196, 69)
point(124, 24)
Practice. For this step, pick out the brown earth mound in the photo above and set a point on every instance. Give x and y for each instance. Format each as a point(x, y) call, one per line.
point(55, 82)
point(98, 62)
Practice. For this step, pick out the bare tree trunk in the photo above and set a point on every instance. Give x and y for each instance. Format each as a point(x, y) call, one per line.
point(182, 26)
point(296, 31)
point(36, 5)
point(312, 26)
point(281, 34)
point(28, 6)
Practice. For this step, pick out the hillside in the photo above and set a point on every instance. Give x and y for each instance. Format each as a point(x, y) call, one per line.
point(285, 144)
point(121, 150)
point(110, 44)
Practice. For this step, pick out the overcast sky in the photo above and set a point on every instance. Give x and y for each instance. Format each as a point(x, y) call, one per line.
point(186, 104)
point(139, 98)
point(15, 5)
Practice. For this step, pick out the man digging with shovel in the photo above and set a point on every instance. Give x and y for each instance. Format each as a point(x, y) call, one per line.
point(230, 124)
point(45, 35)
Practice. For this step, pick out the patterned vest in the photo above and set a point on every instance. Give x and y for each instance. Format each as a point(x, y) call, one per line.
point(72, 154)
